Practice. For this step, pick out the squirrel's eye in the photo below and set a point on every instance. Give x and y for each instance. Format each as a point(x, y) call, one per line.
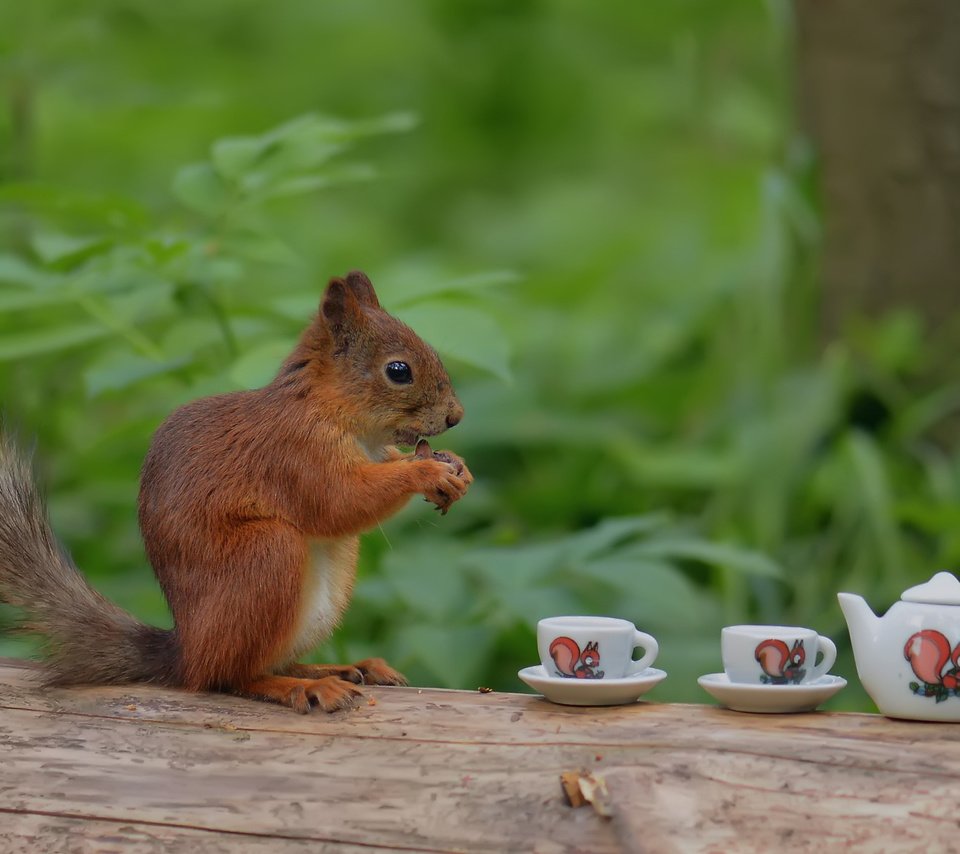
point(399, 372)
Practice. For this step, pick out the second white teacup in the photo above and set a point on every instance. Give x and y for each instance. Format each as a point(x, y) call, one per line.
point(775, 655)
point(593, 647)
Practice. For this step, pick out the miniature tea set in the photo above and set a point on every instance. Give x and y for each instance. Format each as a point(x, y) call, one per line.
point(908, 660)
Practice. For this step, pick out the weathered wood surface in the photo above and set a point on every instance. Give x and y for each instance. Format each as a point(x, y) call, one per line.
point(138, 769)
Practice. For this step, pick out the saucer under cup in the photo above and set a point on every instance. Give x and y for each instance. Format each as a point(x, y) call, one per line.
point(775, 655)
point(592, 648)
point(591, 692)
point(770, 699)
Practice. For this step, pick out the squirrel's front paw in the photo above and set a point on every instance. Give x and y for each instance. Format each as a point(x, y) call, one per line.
point(444, 494)
point(457, 462)
point(442, 485)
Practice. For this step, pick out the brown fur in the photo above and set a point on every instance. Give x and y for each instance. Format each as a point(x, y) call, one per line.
point(251, 504)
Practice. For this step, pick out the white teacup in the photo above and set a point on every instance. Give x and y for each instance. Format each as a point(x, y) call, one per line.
point(593, 647)
point(775, 655)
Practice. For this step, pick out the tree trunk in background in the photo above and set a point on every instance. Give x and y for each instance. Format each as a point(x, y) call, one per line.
point(879, 86)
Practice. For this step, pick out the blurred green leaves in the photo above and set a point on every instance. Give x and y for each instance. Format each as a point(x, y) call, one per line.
point(464, 332)
point(25, 344)
point(137, 287)
point(291, 159)
point(200, 188)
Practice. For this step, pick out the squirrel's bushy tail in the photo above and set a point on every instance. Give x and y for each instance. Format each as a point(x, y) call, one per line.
point(89, 639)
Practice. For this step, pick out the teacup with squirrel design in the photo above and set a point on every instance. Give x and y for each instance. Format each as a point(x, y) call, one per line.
point(775, 655)
point(593, 647)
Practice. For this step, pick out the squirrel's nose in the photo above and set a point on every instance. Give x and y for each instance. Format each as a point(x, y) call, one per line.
point(453, 418)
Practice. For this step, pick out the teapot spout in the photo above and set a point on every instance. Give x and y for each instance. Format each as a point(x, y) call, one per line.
point(862, 623)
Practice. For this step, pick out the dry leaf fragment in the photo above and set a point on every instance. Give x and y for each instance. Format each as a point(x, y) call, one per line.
point(371, 701)
point(570, 783)
point(131, 708)
point(484, 690)
point(593, 787)
point(581, 787)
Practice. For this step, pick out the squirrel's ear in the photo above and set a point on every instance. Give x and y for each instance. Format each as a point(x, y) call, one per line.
point(362, 288)
point(340, 310)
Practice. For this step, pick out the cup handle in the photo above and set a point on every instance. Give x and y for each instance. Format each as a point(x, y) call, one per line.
point(829, 651)
point(651, 648)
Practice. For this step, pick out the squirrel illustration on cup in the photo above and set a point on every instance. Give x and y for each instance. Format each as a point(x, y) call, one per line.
point(573, 662)
point(781, 664)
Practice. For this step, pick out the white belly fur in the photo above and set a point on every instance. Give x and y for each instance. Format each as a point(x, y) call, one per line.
point(328, 584)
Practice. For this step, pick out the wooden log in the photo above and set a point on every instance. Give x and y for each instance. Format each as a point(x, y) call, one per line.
point(441, 716)
point(431, 770)
point(193, 766)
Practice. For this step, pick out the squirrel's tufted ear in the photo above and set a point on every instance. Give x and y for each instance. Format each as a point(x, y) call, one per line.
point(362, 288)
point(341, 311)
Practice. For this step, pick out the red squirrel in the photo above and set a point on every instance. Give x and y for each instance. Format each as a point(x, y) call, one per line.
point(779, 663)
point(571, 661)
point(251, 505)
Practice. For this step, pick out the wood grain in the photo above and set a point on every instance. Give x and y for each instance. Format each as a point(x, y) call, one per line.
point(431, 770)
point(25, 833)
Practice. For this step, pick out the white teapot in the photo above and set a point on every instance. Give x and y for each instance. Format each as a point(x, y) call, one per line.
point(909, 659)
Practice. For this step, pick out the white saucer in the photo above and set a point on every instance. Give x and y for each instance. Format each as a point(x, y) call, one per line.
point(771, 698)
point(591, 692)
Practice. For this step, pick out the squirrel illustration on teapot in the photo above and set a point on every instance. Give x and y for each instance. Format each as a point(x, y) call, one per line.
point(928, 652)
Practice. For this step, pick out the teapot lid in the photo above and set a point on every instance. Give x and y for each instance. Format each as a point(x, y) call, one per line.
point(942, 589)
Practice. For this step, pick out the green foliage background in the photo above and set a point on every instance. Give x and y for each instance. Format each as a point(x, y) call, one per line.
point(600, 214)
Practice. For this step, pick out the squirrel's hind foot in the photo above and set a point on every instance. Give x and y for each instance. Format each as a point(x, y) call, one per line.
point(377, 672)
point(329, 693)
point(345, 672)
point(370, 671)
